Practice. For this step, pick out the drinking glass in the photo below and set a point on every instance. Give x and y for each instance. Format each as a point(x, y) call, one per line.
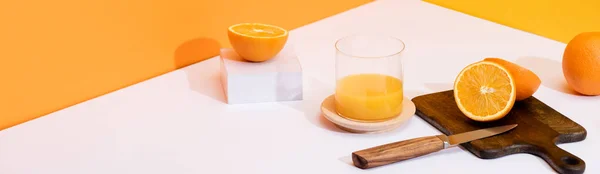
point(369, 77)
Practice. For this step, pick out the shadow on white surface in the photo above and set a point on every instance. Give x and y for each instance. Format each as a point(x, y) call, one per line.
point(439, 87)
point(541, 160)
point(549, 71)
point(314, 92)
point(347, 160)
point(410, 94)
point(207, 83)
point(312, 112)
point(395, 131)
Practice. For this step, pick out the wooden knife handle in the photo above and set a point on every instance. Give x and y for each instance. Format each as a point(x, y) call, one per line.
point(397, 151)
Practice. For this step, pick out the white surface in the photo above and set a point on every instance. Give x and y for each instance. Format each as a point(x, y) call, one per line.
point(178, 122)
point(277, 79)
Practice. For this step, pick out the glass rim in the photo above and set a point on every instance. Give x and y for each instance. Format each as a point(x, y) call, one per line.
point(370, 35)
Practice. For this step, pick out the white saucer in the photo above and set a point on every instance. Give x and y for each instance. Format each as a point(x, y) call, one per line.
point(329, 112)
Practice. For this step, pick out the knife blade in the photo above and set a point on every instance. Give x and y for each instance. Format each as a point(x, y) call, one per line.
point(407, 149)
point(457, 139)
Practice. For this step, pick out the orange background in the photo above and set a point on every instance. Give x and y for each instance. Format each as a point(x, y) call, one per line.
point(58, 53)
point(559, 20)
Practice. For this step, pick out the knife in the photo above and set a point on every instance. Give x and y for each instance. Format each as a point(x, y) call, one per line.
point(407, 149)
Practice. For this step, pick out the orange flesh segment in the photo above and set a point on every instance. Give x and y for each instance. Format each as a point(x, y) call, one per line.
point(258, 30)
point(485, 90)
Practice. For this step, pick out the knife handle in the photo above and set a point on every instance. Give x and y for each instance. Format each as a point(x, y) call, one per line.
point(397, 151)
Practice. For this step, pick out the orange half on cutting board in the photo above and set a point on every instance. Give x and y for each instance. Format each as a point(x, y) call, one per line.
point(257, 42)
point(485, 91)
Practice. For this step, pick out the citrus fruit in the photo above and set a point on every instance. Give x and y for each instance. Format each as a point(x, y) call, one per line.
point(526, 81)
point(257, 42)
point(581, 63)
point(485, 91)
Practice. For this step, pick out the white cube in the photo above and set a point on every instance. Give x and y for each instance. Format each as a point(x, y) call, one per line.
point(277, 79)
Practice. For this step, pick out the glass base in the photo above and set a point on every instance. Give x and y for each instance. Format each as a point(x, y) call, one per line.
point(367, 121)
point(329, 111)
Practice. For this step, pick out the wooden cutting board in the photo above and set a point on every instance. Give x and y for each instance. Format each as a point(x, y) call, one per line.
point(540, 129)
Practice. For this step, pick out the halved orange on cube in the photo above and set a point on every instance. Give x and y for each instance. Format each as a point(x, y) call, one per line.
point(257, 42)
point(485, 91)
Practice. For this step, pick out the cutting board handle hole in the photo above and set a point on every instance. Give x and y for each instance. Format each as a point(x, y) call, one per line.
point(570, 160)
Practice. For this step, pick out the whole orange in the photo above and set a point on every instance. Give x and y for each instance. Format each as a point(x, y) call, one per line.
point(581, 63)
point(257, 42)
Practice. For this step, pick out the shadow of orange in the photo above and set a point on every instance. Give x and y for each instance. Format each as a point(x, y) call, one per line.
point(205, 80)
point(438, 87)
point(195, 50)
point(549, 71)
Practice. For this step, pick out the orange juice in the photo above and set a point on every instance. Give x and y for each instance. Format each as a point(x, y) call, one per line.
point(369, 97)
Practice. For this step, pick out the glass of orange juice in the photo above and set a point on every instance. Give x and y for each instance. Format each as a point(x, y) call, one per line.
point(369, 77)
